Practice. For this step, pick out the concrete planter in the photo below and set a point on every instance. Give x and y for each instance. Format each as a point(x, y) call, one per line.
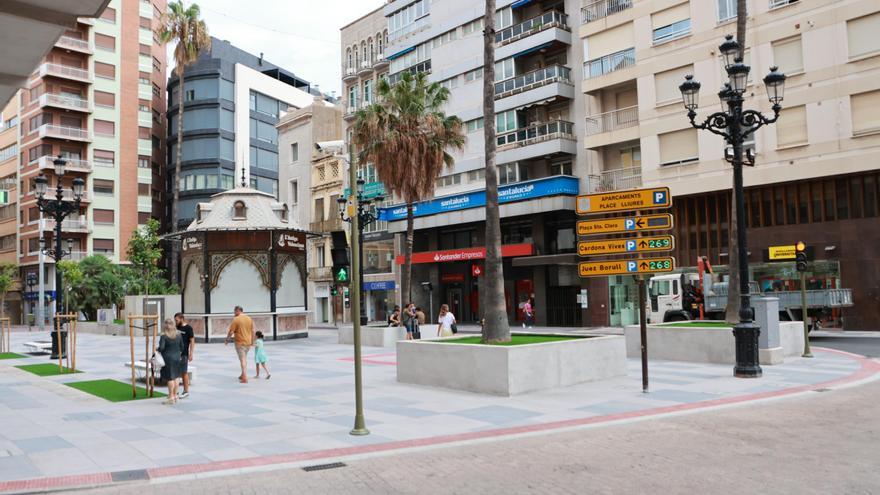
point(373, 336)
point(510, 370)
point(708, 344)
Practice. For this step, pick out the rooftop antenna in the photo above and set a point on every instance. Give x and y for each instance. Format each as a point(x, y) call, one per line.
point(243, 180)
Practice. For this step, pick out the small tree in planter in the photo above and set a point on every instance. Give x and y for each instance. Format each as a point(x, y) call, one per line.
point(8, 277)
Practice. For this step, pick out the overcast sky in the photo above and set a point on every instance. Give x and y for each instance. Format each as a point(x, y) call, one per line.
point(301, 36)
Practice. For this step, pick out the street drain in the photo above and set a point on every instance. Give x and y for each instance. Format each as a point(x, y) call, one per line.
point(322, 467)
point(822, 390)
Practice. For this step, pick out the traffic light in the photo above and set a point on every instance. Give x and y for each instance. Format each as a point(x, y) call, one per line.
point(800, 250)
point(345, 297)
point(339, 252)
point(333, 291)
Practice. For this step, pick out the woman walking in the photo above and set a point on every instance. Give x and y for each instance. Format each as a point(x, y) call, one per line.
point(170, 347)
point(445, 321)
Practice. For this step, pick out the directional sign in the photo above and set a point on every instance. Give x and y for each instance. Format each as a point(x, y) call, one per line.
point(639, 199)
point(625, 267)
point(625, 224)
point(619, 246)
point(778, 253)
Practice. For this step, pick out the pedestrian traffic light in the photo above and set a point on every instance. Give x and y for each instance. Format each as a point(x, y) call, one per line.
point(339, 252)
point(345, 298)
point(341, 274)
point(800, 250)
point(333, 291)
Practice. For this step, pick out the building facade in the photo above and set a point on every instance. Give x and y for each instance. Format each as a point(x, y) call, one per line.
point(98, 101)
point(232, 102)
point(9, 207)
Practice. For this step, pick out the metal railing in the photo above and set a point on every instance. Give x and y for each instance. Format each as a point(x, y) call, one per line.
point(365, 66)
point(62, 100)
point(616, 180)
point(73, 43)
point(603, 8)
point(551, 18)
point(73, 164)
point(537, 132)
point(68, 196)
point(774, 4)
point(424, 66)
point(63, 132)
point(533, 79)
point(613, 120)
point(610, 63)
point(64, 71)
point(75, 225)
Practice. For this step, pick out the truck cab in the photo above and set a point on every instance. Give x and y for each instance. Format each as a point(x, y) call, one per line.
point(665, 299)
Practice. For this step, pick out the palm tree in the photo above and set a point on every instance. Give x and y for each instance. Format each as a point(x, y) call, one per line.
point(181, 25)
point(731, 312)
point(496, 327)
point(407, 136)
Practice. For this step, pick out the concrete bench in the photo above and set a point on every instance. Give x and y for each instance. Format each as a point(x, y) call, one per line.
point(141, 370)
point(38, 347)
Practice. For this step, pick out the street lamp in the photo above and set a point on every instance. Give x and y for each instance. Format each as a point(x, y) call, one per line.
point(367, 212)
point(58, 209)
point(31, 281)
point(736, 125)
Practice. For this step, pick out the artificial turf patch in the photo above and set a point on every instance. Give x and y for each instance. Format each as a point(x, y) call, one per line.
point(112, 390)
point(11, 355)
point(515, 339)
point(698, 324)
point(47, 369)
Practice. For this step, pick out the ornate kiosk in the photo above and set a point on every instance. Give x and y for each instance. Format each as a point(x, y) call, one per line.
point(241, 250)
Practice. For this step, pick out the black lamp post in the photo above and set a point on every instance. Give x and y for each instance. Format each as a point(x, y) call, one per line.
point(367, 213)
point(735, 125)
point(31, 281)
point(58, 209)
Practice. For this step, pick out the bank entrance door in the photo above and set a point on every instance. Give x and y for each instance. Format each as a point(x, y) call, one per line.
point(454, 296)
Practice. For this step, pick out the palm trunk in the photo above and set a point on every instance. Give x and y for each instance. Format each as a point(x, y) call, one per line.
point(496, 327)
point(175, 186)
point(731, 312)
point(406, 276)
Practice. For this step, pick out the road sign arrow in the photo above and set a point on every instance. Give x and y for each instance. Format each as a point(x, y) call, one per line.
point(643, 244)
point(640, 223)
point(644, 266)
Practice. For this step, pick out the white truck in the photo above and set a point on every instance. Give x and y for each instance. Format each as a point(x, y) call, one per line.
point(677, 297)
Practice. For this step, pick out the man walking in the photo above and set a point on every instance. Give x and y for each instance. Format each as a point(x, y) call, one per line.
point(242, 331)
point(186, 351)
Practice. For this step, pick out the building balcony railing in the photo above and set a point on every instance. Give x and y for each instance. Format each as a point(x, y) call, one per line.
point(351, 109)
point(71, 43)
point(424, 66)
point(63, 132)
point(616, 180)
point(320, 272)
point(536, 133)
point(603, 8)
point(80, 225)
point(328, 225)
point(533, 79)
point(349, 73)
point(66, 102)
point(613, 120)
point(547, 20)
point(365, 68)
point(65, 71)
point(68, 196)
point(380, 61)
point(610, 63)
point(77, 255)
point(73, 164)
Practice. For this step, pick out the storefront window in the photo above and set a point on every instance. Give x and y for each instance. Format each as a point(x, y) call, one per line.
point(516, 233)
point(378, 256)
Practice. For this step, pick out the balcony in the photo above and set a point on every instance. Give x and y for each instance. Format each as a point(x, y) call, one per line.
point(320, 273)
point(351, 111)
point(537, 140)
point(365, 69)
point(424, 66)
point(73, 164)
point(602, 9)
point(610, 63)
point(532, 80)
point(349, 74)
point(612, 121)
point(73, 44)
point(381, 62)
point(66, 133)
point(65, 102)
point(76, 225)
point(616, 180)
point(67, 195)
point(65, 72)
point(547, 20)
point(328, 225)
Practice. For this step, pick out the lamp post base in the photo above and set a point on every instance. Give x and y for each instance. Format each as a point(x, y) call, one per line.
point(55, 342)
point(746, 336)
point(360, 428)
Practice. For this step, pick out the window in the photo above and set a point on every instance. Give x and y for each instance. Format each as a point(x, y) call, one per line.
point(512, 172)
point(105, 128)
point(294, 192)
point(353, 96)
point(862, 36)
point(239, 211)
point(474, 125)
point(561, 168)
point(672, 23)
point(294, 152)
point(788, 56)
point(102, 246)
point(107, 71)
point(775, 4)
point(631, 157)
point(473, 75)
point(475, 26)
point(503, 18)
point(505, 121)
point(865, 108)
point(504, 69)
point(103, 216)
point(264, 104)
point(368, 91)
point(726, 10)
point(319, 255)
point(666, 84)
point(449, 180)
point(404, 20)
point(791, 129)
point(144, 217)
point(444, 38)
point(189, 95)
point(8, 152)
point(144, 190)
point(104, 42)
point(7, 212)
point(7, 242)
point(104, 158)
point(319, 210)
point(109, 15)
point(102, 187)
point(144, 162)
point(475, 175)
point(678, 147)
point(450, 83)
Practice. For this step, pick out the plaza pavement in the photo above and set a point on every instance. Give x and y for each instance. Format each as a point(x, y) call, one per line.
point(53, 436)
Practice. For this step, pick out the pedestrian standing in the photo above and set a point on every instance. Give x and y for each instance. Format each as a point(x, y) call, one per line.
point(409, 320)
point(260, 356)
point(529, 313)
point(242, 331)
point(445, 322)
point(170, 344)
point(186, 351)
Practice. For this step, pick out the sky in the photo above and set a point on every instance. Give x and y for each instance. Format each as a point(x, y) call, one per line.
point(301, 36)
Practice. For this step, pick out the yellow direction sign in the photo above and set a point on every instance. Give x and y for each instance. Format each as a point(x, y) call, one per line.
point(620, 246)
point(776, 253)
point(639, 199)
point(625, 267)
point(623, 225)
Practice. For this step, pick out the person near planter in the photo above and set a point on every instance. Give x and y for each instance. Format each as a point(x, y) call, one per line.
point(186, 352)
point(409, 320)
point(529, 313)
point(242, 331)
point(394, 319)
point(445, 322)
point(170, 347)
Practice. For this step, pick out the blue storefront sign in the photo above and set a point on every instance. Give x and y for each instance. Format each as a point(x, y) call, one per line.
point(559, 185)
point(380, 285)
point(33, 296)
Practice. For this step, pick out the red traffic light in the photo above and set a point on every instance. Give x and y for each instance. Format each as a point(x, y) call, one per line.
point(800, 246)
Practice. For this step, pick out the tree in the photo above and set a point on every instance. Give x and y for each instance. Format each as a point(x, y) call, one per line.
point(731, 312)
point(95, 282)
point(144, 253)
point(71, 277)
point(406, 135)
point(181, 25)
point(8, 277)
point(496, 327)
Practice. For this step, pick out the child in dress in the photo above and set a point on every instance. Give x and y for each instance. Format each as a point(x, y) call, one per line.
point(260, 356)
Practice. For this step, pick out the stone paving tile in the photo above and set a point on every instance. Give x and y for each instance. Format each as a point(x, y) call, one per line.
point(42, 444)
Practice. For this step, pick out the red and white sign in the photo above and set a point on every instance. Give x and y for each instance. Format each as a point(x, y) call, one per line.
point(452, 277)
point(468, 254)
point(476, 270)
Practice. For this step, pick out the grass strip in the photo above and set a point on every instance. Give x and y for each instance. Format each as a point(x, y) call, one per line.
point(11, 355)
point(515, 339)
point(47, 369)
point(698, 324)
point(112, 390)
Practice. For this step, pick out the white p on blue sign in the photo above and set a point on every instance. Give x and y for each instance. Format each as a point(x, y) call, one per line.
point(630, 224)
point(632, 266)
point(630, 245)
point(660, 197)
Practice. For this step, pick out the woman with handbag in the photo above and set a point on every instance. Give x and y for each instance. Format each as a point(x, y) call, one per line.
point(446, 326)
point(170, 345)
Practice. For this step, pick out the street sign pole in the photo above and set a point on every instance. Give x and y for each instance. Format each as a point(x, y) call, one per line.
point(807, 353)
point(643, 331)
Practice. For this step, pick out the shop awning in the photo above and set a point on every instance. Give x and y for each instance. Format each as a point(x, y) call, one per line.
point(401, 52)
point(533, 49)
point(520, 3)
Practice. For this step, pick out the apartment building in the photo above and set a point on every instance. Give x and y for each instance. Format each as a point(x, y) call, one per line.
point(817, 169)
point(364, 63)
point(232, 100)
point(310, 183)
point(539, 114)
point(97, 100)
point(9, 208)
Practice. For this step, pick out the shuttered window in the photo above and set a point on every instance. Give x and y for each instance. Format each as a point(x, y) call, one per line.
point(671, 15)
point(107, 71)
point(610, 41)
point(666, 83)
point(109, 15)
point(678, 147)
point(788, 55)
point(862, 35)
point(791, 128)
point(143, 189)
point(145, 22)
point(144, 132)
point(105, 127)
point(105, 99)
point(103, 216)
point(144, 217)
point(104, 246)
point(105, 42)
point(104, 158)
point(103, 187)
point(865, 112)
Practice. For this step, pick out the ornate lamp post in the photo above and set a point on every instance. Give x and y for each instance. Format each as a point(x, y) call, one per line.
point(367, 213)
point(31, 282)
point(736, 125)
point(58, 209)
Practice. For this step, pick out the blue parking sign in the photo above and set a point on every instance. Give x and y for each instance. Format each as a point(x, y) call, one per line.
point(630, 245)
point(632, 266)
point(630, 224)
point(659, 197)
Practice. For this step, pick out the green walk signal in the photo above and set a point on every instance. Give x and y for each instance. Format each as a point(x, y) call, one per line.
point(342, 275)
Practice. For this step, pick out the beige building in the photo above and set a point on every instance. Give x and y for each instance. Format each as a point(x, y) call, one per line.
point(817, 169)
point(9, 208)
